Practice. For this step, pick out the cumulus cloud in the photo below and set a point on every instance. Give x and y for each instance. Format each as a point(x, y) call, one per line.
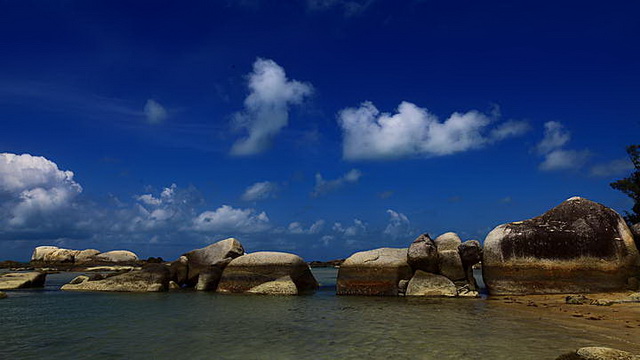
point(298, 228)
point(266, 109)
point(399, 225)
point(358, 228)
point(154, 112)
point(32, 186)
point(260, 191)
point(326, 186)
point(556, 157)
point(612, 168)
point(229, 219)
point(349, 7)
point(369, 134)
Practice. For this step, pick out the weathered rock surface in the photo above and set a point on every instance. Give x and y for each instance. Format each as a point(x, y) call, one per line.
point(247, 272)
point(635, 231)
point(470, 252)
point(84, 256)
point(427, 284)
point(423, 254)
point(448, 241)
point(451, 265)
point(10, 281)
point(208, 279)
point(117, 256)
point(41, 251)
point(152, 278)
point(202, 259)
point(281, 286)
point(373, 272)
point(599, 353)
point(577, 247)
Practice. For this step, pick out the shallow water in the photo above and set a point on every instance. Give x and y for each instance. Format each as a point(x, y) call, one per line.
point(52, 324)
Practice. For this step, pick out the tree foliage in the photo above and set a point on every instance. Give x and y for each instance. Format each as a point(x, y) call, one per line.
point(630, 185)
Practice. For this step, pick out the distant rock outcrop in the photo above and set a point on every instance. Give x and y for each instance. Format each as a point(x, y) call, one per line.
point(267, 273)
point(374, 272)
point(52, 255)
point(22, 280)
point(152, 278)
point(577, 247)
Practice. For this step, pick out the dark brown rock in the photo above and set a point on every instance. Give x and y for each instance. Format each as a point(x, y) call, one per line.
point(374, 272)
point(635, 231)
point(423, 254)
point(470, 253)
point(577, 247)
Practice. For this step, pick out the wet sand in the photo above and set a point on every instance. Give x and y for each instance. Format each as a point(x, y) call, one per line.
point(618, 325)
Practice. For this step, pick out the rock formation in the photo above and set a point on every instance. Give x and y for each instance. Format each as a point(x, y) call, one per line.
point(267, 273)
point(598, 353)
point(52, 255)
point(577, 247)
point(427, 284)
point(152, 278)
point(217, 255)
point(11, 281)
point(423, 254)
point(373, 272)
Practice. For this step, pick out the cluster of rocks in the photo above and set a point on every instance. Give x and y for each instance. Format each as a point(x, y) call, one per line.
point(55, 256)
point(22, 280)
point(223, 267)
point(577, 247)
point(598, 353)
point(440, 267)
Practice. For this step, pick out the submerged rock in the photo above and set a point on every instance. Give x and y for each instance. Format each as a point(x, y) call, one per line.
point(373, 272)
point(427, 284)
point(202, 259)
point(11, 281)
point(577, 247)
point(598, 353)
point(152, 278)
point(250, 273)
point(2, 295)
point(423, 255)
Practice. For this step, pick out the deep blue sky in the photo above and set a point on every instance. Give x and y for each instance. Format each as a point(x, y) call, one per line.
point(547, 95)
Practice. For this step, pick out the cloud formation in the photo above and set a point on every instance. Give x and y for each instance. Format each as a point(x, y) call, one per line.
point(323, 186)
point(266, 109)
point(613, 168)
point(297, 227)
point(154, 112)
point(32, 186)
point(229, 219)
point(399, 226)
point(260, 191)
point(369, 134)
point(556, 157)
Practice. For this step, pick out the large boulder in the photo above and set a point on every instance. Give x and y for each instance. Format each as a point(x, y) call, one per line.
point(250, 273)
point(60, 256)
point(41, 251)
point(448, 241)
point(152, 278)
point(577, 247)
point(599, 353)
point(208, 279)
point(117, 256)
point(202, 259)
point(11, 281)
point(451, 265)
point(373, 272)
point(470, 252)
point(635, 231)
point(427, 284)
point(84, 256)
point(423, 255)
point(281, 286)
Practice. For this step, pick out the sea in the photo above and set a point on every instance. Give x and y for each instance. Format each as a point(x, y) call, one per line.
point(52, 324)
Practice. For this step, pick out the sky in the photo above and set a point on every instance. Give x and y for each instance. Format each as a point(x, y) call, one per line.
point(318, 127)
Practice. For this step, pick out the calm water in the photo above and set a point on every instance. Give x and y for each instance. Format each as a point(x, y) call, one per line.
point(51, 324)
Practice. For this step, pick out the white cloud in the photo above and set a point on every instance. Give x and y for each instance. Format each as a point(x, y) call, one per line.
point(564, 160)
point(358, 228)
point(349, 7)
point(229, 219)
point(509, 129)
point(266, 109)
point(552, 148)
point(33, 186)
point(612, 168)
point(260, 191)
point(413, 131)
point(298, 228)
point(399, 225)
point(555, 137)
point(325, 186)
point(155, 112)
